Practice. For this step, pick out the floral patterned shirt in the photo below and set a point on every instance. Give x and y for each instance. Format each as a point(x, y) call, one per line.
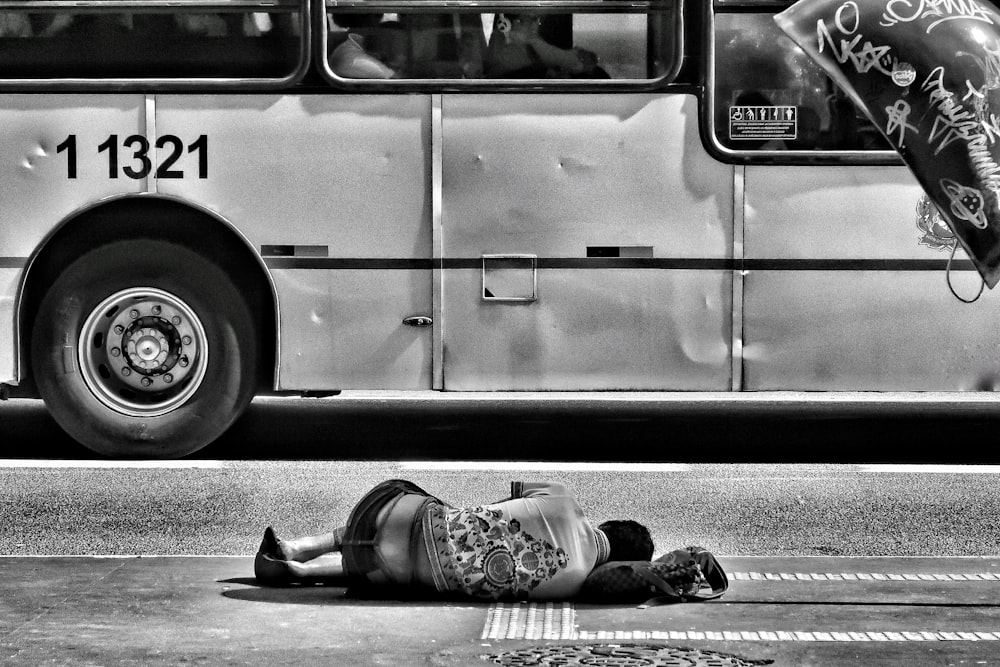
point(537, 545)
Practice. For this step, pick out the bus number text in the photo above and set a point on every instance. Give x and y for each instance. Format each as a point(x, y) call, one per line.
point(138, 164)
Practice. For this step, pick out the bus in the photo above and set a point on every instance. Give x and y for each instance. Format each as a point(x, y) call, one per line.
point(204, 201)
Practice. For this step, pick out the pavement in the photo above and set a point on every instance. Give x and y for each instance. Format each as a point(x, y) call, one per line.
point(209, 610)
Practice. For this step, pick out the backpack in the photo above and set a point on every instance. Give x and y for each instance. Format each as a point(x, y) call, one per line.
point(683, 575)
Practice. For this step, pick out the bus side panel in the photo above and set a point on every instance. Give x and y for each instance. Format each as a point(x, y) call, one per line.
point(608, 329)
point(851, 326)
point(348, 328)
point(347, 172)
point(10, 279)
point(42, 184)
point(552, 176)
point(329, 178)
point(38, 186)
point(867, 331)
point(826, 212)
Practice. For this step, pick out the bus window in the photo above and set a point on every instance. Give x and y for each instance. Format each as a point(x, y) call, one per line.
point(768, 95)
point(151, 40)
point(613, 41)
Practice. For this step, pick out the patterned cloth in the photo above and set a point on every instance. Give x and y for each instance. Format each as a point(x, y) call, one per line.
point(535, 546)
point(485, 555)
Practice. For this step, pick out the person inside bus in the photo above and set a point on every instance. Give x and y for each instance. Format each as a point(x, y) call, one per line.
point(15, 24)
point(536, 544)
point(368, 49)
point(102, 27)
point(518, 50)
point(224, 25)
point(444, 46)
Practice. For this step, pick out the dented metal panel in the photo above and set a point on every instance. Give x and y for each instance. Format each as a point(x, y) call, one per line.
point(51, 166)
point(41, 184)
point(867, 331)
point(831, 212)
point(350, 172)
point(551, 175)
point(860, 307)
point(10, 279)
point(592, 329)
point(346, 329)
point(328, 178)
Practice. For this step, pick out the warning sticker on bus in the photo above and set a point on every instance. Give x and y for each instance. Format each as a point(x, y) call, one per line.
point(763, 122)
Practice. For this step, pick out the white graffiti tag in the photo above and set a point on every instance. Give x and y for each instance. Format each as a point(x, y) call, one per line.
point(966, 203)
point(849, 47)
point(955, 123)
point(907, 11)
point(896, 121)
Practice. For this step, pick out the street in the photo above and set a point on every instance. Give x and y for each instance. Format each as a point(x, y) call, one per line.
point(751, 427)
point(136, 562)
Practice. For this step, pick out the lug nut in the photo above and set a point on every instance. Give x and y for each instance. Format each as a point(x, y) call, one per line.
point(126, 371)
point(156, 310)
point(146, 382)
point(115, 352)
point(175, 319)
point(183, 361)
point(168, 378)
point(133, 313)
point(186, 340)
point(119, 329)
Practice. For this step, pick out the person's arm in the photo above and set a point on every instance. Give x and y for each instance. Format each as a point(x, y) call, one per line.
point(365, 67)
point(566, 60)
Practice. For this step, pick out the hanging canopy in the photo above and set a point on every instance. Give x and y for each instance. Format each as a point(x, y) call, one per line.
point(928, 76)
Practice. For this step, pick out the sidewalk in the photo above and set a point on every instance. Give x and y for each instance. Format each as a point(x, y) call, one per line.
point(168, 610)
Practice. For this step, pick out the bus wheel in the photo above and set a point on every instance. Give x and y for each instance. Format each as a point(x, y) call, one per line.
point(144, 349)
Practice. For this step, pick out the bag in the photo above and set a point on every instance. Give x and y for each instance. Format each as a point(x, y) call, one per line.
point(683, 575)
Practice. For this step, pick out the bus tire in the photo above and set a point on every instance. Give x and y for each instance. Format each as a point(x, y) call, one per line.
point(144, 349)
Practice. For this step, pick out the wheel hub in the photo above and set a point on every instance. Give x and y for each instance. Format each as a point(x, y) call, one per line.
point(143, 352)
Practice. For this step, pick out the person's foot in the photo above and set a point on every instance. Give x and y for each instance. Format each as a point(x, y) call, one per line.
point(272, 571)
point(272, 546)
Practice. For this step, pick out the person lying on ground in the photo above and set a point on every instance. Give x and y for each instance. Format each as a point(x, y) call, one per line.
point(537, 545)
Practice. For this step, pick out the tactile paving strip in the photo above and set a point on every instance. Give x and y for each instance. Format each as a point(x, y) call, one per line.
point(860, 576)
point(532, 620)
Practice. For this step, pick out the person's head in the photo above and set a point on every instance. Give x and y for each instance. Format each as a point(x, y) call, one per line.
point(629, 540)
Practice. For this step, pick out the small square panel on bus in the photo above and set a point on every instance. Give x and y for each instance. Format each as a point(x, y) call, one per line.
point(511, 278)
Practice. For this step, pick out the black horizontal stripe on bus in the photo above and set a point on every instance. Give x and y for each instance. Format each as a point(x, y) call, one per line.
point(13, 262)
point(677, 263)
point(377, 263)
point(855, 265)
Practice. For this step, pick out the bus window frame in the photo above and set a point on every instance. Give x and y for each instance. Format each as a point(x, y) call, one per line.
point(749, 156)
point(478, 7)
point(140, 84)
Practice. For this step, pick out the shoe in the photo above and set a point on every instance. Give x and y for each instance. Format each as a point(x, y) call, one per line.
point(271, 571)
point(269, 545)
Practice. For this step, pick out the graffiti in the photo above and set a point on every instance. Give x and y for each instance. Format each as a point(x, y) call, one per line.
point(897, 116)
point(955, 123)
point(939, 107)
point(966, 203)
point(907, 11)
point(864, 58)
point(989, 124)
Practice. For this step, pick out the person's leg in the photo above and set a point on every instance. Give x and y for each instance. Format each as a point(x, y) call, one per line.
point(300, 549)
point(271, 571)
point(306, 548)
point(286, 562)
